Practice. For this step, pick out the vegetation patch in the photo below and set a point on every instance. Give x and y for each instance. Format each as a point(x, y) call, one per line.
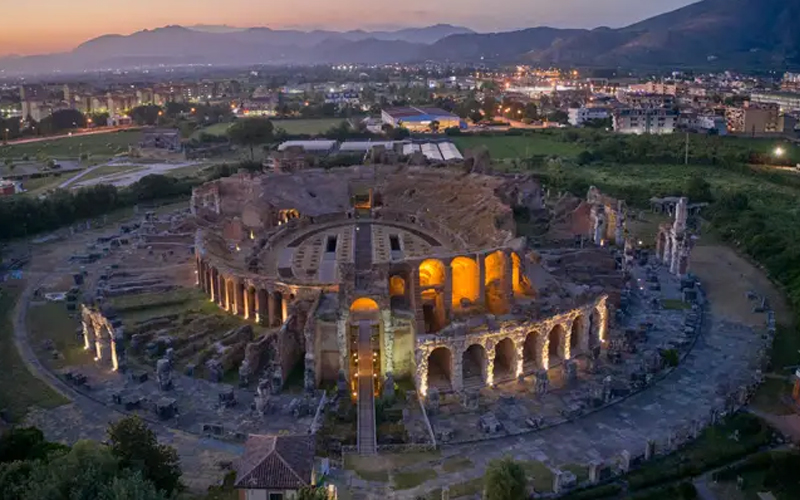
point(467, 488)
point(52, 327)
point(19, 388)
point(539, 475)
point(675, 305)
point(411, 479)
point(455, 464)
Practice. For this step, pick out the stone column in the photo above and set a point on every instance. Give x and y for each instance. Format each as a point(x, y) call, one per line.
point(227, 300)
point(222, 291)
point(625, 461)
point(519, 346)
point(556, 481)
point(668, 244)
point(271, 312)
point(388, 342)
point(458, 367)
point(594, 471)
point(508, 279)
point(88, 335)
point(565, 349)
point(675, 264)
point(246, 304)
point(416, 301)
point(448, 292)
point(490, 354)
point(481, 279)
point(238, 293)
point(543, 348)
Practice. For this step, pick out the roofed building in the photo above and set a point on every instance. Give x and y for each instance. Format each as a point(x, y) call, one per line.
point(275, 467)
point(420, 119)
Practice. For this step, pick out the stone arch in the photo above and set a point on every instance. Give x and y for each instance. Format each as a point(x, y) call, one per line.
point(555, 349)
point(496, 300)
point(440, 369)
point(278, 307)
point(466, 282)
point(576, 340)
point(364, 304)
point(431, 283)
point(531, 355)
point(474, 365)
point(505, 360)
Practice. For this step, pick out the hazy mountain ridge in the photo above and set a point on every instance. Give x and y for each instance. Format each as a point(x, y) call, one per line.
point(761, 32)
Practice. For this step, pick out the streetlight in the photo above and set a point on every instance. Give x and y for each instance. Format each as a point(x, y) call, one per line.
point(779, 151)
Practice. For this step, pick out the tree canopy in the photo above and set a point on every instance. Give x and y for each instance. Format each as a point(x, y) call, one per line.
point(505, 480)
point(252, 132)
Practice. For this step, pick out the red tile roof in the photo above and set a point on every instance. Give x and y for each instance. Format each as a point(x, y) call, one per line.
point(276, 462)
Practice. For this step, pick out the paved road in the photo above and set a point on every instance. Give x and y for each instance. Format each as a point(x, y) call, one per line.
point(367, 440)
point(86, 418)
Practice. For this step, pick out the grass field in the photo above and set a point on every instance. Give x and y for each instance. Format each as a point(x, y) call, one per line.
point(97, 146)
point(19, 388)
point(508, 147)
point(216, 129)
point(311, 126)
point(52, 322)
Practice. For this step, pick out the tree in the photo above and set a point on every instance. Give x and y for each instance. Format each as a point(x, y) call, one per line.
point(698, 190)
point(130, 487)
point(434, 126)
point(146, 115)
point(252, 132)
point(505, 480)
point(476, 116)
point(26, 443)
point(137, 448)
point(311, 493)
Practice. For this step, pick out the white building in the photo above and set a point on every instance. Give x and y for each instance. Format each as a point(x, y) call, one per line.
point(579, 116)
point(786, 101)
point(645, 121)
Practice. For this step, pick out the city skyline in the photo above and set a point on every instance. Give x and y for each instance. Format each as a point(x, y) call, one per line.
point(24, 30)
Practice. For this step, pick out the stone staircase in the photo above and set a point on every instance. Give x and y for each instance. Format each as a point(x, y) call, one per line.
point(366, 396)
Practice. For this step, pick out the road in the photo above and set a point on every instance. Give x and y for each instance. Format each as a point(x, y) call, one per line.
point(79, 133)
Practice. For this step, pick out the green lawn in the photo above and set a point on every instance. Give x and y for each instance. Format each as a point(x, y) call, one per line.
point(52, 322)
point(97, 145)
point(310, 126)
point(508, 147)
point(467, 488)
point(110, 170)
point(455, 464)
point(19, 388)
point(412, 479)
point(216, 129)
point(539, 475)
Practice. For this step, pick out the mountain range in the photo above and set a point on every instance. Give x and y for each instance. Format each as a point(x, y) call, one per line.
point(736, 32)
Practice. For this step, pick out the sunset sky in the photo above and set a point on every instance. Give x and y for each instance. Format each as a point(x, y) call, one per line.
point(42, 26)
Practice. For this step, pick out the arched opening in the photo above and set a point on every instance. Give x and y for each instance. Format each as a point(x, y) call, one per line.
point(250, 304)
point(595, 325)
point(440, 369)
point(505, 361)
point(576, 336)
point(397, 286)
point(554, 349)
point(364, 304)
point(473, 366)
point(496, 300)
point(466, 287)
point(531, 358)
point(240, 299)
point(431, 283)
point(262, 309)
point(277, 300)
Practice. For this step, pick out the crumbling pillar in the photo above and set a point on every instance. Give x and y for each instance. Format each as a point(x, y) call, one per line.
point(624, 461)
point(556, 481)
point(448, 292)
point(222, 292)
point(88, 334)
point(594, 471)
point(458, 370)
point(238, 293)
point(271, 310)
point(246, 304)
point(262, 315)
point(481, 279)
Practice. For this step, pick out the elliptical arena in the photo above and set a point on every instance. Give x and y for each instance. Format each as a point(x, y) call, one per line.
point(416, 273)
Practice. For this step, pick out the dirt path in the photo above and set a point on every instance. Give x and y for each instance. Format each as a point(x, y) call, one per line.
point(727, 277)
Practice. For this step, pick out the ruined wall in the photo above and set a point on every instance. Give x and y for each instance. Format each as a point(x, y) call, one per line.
point(404, 343)
point(327, 351)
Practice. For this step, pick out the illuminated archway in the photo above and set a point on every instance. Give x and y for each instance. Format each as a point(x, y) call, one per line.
point(431, 273)
point(397, 286)
point(440, 369)
point(431, 281)
point(496, 300)
point(364, 304)
point(466, 277)
point(555, 348)
point(531, 357)
point(473, 366)
point(505, 361)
